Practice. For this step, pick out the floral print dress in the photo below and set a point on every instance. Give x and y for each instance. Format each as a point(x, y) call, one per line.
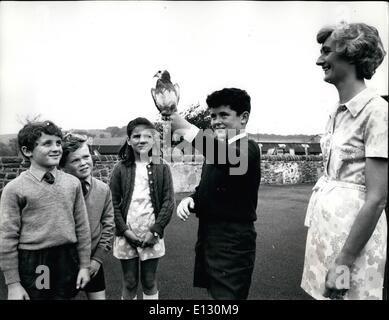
point(354, 132)
point(140, 218)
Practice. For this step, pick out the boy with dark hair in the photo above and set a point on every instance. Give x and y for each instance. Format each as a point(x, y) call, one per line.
point(44, 230)
point(77, 161)
point(225, 201)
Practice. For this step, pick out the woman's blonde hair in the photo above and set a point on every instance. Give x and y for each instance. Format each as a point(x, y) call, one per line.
point(358, 43)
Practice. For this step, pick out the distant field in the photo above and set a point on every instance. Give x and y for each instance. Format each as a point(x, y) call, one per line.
point(4, 138)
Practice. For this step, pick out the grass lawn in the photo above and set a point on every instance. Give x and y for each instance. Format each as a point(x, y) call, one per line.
point(279, 260)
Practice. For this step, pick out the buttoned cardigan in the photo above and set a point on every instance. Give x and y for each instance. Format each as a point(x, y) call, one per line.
point(161, 193)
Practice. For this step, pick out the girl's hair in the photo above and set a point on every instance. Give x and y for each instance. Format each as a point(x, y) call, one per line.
point(358, 43)
point(126, 153)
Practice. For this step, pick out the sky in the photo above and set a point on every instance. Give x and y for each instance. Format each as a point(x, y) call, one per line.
point(90, 65)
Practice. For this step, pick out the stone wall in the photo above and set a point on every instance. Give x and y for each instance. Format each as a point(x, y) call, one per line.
point(288, 169)
point(10, 168)
point(281, 169)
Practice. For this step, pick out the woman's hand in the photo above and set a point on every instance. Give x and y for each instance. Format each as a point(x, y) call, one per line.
point(132, 238)
point(337, 282)
point(149, 240)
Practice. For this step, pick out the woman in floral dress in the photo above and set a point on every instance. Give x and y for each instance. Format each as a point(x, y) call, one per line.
point(346, 241)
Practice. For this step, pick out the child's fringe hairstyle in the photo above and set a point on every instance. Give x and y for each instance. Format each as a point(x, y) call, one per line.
point(358, 43)
point(126, 153)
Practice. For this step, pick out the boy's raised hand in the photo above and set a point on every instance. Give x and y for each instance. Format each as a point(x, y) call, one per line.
point(183, 209)
point(82, 278)
point(17, 292)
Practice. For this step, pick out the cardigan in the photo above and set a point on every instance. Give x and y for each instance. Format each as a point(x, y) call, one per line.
point(161, 192)
point(230, 179)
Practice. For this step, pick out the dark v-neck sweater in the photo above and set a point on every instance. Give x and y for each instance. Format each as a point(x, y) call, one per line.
point(230, 179)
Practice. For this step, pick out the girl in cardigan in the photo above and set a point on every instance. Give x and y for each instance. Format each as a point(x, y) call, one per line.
point(143, 200)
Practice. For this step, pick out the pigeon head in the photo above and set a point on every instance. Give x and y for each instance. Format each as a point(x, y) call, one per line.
point(163, 75)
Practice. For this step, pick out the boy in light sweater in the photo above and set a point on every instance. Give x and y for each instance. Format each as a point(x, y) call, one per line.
point(77, 160)
point(44, 230)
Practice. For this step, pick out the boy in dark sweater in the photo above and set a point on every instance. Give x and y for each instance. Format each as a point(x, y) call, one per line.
point(44, 229)
point(77, 161)
point(225, 201)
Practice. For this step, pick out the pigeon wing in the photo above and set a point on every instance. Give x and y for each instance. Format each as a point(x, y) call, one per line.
point(153, 94)
point(177, 89)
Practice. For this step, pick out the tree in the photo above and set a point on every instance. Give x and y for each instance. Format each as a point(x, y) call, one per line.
point(198, 116)
point(159, 127)
point(195, 114)
point(4, 150)
point(116, 131)
point(23, 120)
point(10, 148)
point(83, 133)
point(13, 146)
point(113, 131)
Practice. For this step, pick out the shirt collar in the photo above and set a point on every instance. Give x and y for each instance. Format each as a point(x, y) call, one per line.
point(237, 137)
point(150, 161)
point(88, 180)
point(38, 173)
point(358, 102)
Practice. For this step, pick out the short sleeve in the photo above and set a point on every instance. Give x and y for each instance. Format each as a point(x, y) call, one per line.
point(376, 132)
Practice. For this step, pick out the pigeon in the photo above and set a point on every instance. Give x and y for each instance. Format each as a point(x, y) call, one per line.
point(165, 94)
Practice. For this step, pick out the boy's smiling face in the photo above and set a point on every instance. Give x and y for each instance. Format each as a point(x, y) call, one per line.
point(79, 163)
point(226, 123)
point(46, 153)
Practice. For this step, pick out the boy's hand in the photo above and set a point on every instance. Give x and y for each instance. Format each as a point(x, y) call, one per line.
point(183, 209)
point(82, 278)
point(132, 238)
point(17, 292)
point(94, 267)
point(149, 240)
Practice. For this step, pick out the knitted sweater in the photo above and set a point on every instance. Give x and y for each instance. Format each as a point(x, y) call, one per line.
point(100, 212)
point(224, 194)
point(36, 215)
